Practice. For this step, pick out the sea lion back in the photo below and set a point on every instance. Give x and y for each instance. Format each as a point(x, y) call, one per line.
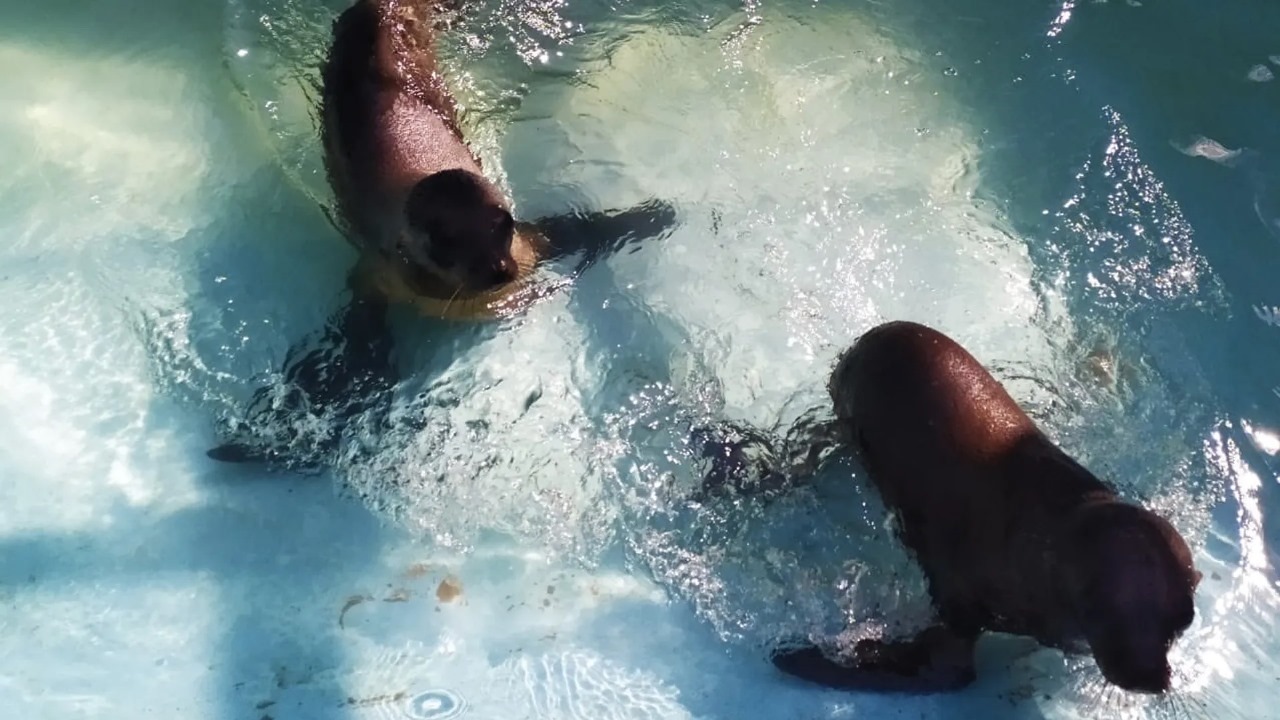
point(903, 379)
point(387, 118)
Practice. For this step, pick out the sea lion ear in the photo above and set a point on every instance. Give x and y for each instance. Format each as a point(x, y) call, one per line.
point(1196, 577)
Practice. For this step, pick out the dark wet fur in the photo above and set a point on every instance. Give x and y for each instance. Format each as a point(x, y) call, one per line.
point(345, 107)
point(1013, 535)
point(407, 184)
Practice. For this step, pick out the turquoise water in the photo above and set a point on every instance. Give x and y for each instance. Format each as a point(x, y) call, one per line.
point(1085, 194)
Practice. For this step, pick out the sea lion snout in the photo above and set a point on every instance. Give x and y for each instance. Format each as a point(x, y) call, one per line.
point(1134, 583)
point(1145, 672)
point(1132, 649)
point(482, 252)
point(501, 271)
point(1131, 644)
point(486, 270)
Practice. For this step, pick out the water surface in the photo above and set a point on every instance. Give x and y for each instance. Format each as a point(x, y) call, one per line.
point(1084, 195)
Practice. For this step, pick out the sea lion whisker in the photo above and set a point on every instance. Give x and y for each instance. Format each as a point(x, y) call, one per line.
point(1196, 704)
point(452, 297)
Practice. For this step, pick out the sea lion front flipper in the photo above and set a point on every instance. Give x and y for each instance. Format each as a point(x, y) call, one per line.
point(349, 374)
point(936, 660)
point(597, 234)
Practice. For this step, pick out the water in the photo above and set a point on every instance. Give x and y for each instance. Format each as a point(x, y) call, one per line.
point(1085, 195)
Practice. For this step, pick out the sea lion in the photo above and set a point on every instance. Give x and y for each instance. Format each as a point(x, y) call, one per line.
point(1013, 535)
point(432, 230)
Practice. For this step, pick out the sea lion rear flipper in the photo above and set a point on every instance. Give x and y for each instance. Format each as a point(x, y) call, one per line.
point(598, 234)
point(744, 461)
point(936, 660)
point(748, 461)
point(350, 374)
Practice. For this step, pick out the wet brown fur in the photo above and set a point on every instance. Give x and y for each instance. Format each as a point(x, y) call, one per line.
point(432, 231)
point(388, 122)
point(388, 117)
point(1013, 535)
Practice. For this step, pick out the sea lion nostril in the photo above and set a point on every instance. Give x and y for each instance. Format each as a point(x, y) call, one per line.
point(505, 270)
point(497, 273)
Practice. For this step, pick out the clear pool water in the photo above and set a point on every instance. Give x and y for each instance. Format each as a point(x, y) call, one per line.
point(1087, 194)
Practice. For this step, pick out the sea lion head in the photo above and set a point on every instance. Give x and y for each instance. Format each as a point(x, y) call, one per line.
point(1131, 582)
point(459, 230)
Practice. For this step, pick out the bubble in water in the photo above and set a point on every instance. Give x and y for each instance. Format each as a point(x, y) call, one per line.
point(1261, 73)
point(1210, 149)
point(950, 72)
point(436, 705)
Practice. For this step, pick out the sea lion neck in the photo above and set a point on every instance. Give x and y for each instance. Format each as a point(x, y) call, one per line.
point(440, 297)
point(1051, 563)
point(1052, 481)
point(1049, 491)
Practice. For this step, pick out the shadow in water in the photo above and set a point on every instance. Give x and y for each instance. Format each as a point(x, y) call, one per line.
point(282, 553)
point(279, 552)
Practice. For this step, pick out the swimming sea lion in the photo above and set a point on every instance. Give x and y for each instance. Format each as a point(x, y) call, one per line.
point(431, 229)
point(429, 224)
point(1012, 534)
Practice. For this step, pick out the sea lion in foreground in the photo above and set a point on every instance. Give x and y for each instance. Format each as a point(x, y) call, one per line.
point(1012, 534)
point(431, 229)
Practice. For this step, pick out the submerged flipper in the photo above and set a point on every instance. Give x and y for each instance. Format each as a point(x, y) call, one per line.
point(302, 423)
point(743, 461)
point(748, 461)
point(593, 236)
point(937, 660)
